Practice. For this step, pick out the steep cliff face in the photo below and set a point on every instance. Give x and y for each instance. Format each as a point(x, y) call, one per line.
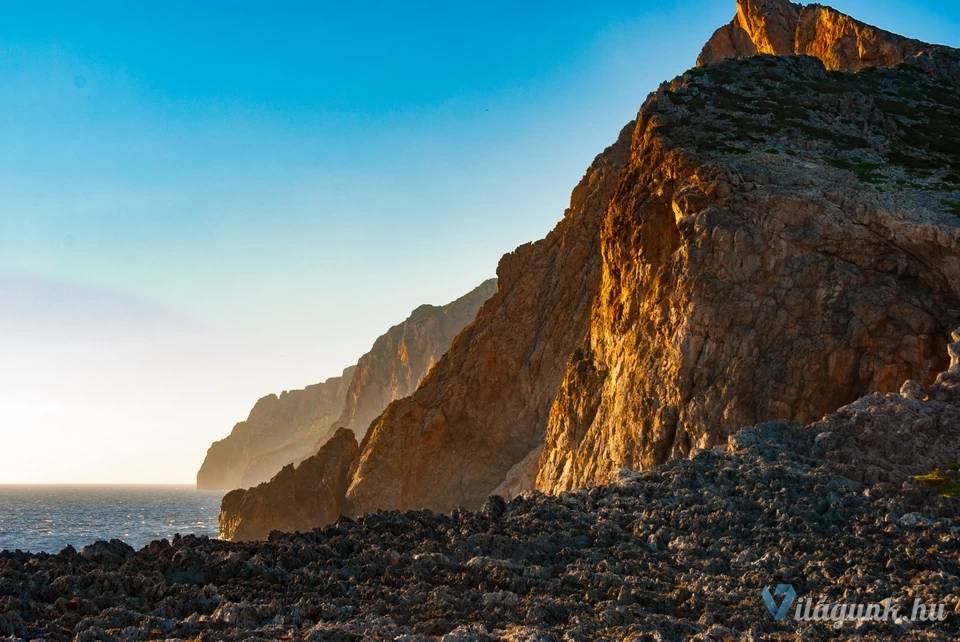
point(289, 428)
point(400, 358)
point(481, 410)
point(768, 241)
point(783, 241)
point(274, 423)
point(784, 28)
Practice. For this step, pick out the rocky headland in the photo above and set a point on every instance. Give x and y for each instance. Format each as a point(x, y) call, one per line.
point(288, 428)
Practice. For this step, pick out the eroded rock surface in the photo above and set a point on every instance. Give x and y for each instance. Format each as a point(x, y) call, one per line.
point(482, 408)
point(400, 358)
point(784, 240)
point(767, 240)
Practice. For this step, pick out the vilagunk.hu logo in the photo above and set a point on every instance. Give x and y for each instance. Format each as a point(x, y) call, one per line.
point(838, 613)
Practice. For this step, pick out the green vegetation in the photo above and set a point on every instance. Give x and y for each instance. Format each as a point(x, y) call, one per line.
point(876, 119)
point(945, 480)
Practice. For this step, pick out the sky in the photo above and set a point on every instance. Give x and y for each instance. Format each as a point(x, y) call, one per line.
point(205, 202)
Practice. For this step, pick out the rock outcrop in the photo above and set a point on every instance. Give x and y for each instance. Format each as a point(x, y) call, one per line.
point(680, 552)
point(783, 28)
point(481, 410)
point(767, 240)
point(298, 498)
point(290, 427)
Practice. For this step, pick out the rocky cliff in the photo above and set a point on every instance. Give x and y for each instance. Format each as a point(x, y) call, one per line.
point(482, 408)
point(298, 497)
point(278, 427)
point(292, 426)
point(400, 358)
point(785, 240)
point(783, 28)
point(769, 239)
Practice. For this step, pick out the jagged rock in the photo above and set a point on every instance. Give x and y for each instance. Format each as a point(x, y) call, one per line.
point(298, 498)
point(289, 428)
point(783, 28)
point(768, 240)
point(772, 253)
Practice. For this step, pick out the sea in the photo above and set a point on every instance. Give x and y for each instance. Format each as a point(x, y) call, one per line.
point(45, 519)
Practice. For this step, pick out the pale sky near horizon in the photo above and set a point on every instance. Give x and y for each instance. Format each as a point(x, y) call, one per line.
point(205, 202)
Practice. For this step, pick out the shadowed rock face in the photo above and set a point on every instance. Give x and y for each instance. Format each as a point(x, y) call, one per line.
point(291, 427)
point(297, 498)
point(784, 28)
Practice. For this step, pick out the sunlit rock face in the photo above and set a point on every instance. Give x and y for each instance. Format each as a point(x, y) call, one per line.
point(401, 357)
point(767, 240)
point(482, 409)
point(784, 28)
point(290, 427)
point(757, 246)
point(774, 251)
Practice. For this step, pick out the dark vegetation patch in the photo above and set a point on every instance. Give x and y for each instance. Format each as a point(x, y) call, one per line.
point(899, 119)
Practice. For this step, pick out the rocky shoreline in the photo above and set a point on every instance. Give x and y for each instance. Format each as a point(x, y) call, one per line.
point(681, 552)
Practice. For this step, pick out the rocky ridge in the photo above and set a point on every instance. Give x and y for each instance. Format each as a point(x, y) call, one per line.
point(292, 426)
point(769, 239)
point(678, 552)
point(783, 28)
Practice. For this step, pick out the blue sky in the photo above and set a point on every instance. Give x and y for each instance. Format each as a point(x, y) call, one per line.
point(257, 190)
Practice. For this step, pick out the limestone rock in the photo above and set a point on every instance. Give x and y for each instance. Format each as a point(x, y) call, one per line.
point(482, 408)
point(768, 240)
point(783, 28)
point(298, 498)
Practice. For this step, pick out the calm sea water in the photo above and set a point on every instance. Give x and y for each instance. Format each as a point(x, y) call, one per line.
point(47, 518)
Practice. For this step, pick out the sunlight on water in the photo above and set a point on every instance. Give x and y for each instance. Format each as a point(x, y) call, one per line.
point(48, 518)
